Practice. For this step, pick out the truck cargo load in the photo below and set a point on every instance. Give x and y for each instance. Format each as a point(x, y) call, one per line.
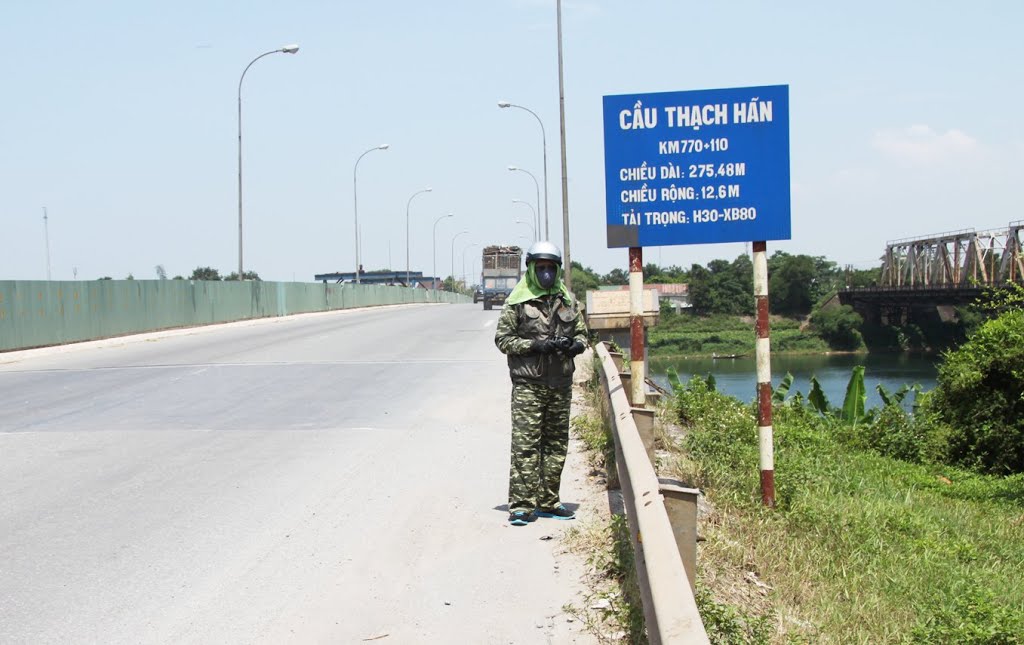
point(502, 268)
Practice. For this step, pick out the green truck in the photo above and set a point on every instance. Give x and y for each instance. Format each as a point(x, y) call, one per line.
point(502, 268)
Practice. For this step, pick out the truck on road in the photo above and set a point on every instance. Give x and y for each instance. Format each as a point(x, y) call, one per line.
point(502, 268)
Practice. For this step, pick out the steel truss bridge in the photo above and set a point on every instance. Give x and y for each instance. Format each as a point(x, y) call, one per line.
point(960, 258)
point(931, 275)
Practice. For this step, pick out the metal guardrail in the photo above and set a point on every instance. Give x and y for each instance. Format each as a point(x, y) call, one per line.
point(670, 610)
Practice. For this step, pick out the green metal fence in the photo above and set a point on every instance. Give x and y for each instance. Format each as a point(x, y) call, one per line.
point(41, 313)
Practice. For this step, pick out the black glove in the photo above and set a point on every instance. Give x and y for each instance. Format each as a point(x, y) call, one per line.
point(563, 343)
point(577, 348)
point(544, 346)
point(569, 346)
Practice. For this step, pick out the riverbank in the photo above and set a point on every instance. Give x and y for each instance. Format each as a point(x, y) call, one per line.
point(725, 336)
point(861, 547)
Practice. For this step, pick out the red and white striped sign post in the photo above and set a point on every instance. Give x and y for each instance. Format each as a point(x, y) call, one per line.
point(636, 327)
point(764, 376)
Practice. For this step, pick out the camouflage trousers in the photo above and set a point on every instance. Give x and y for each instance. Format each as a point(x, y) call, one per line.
point(540, 438)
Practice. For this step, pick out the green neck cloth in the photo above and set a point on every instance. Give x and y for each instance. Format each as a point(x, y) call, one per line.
point(529, 289)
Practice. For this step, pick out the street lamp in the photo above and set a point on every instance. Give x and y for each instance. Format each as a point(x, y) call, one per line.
point(535, 217)
point(532, 229)
point(355, 201)
point(433, 278)
point(544, 144)
point(418, 192)
point(468, 246)
point(455, 237)
point(287, 49)
point(535, 185)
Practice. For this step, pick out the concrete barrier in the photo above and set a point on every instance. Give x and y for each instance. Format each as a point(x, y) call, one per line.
point(43, 313)
point(670, 610)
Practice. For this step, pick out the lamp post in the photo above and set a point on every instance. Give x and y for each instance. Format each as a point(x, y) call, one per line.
point(287, 49)
point(465, 283)
point(455, 237)
point(532, 229)
point(418, 192)
point(355, 201)
point(535, 185)
point(536, 218)
point(46, 231)
point(566, 255)
point(544, 144)
point(433, 278)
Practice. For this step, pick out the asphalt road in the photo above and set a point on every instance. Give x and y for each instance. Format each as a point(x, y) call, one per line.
point(329, 478)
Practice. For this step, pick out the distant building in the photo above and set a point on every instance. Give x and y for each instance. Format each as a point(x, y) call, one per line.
point(678, 295)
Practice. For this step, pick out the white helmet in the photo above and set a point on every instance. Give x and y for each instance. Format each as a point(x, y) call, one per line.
point(544, 250)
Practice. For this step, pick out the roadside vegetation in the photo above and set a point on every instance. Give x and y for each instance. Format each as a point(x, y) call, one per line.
point(899, 524)
point(611, 609)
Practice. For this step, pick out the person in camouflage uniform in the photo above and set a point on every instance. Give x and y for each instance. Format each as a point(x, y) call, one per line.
point(541, 330)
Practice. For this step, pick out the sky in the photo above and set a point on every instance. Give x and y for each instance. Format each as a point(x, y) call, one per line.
point(120, 122)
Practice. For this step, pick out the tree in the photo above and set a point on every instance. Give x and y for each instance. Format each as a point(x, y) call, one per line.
point(839, 326)
point(979, 396)
point(615, 276)
point(861, 277)
point(161, 273)
point(248, 275)
point(980, 383)
point(583, 279)
point(205, 273)
point(722, 287)
point(791, 284)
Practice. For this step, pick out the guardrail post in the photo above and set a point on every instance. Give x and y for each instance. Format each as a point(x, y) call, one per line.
point(617, 359)
point(644, 420)
point(681, 506)
point(627, 385)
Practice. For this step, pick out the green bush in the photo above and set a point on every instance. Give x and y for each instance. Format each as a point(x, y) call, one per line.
point(980, 394)
point(918, 438)
point(975, 618)
point(839, 326)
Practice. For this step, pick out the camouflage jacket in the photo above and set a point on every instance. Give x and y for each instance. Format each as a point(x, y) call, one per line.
point(545, 317)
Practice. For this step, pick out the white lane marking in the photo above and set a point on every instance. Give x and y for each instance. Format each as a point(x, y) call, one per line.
point(489, 323)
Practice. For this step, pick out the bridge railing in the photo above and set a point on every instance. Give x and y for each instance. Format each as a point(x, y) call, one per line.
point(42, 313)
point(670, 610)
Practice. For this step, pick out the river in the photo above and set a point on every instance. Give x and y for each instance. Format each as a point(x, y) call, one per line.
point(738, 376)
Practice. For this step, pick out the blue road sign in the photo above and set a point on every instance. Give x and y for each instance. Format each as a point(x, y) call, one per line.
point(697, 167)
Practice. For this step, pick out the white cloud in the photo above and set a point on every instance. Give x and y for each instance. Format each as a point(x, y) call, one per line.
point(920, 145)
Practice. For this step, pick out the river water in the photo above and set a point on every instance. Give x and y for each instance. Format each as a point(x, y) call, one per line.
point(738, 376)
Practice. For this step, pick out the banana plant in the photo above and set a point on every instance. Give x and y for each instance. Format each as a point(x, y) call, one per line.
point(854, 411)
point(817, 398)
point(673, 380)
point(896, 398)
point(779, 395)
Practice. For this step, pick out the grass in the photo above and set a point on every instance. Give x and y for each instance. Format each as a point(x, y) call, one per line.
point(861, 548)
point(687, 335)
point(612, 610)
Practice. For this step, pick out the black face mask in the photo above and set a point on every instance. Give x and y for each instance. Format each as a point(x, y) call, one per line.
point(546, 276)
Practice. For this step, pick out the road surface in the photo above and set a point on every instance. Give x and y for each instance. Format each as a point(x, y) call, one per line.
point(334, 477)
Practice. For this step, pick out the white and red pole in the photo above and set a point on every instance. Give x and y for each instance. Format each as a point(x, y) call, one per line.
point(637, 368)
point(764, 376)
